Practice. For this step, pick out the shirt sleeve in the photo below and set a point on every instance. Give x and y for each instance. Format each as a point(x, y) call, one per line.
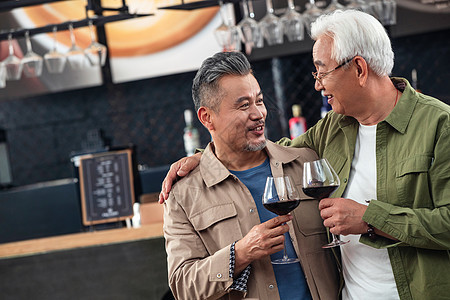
point(240, 283)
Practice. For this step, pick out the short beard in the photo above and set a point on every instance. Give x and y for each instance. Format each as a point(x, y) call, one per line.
point(254, 148)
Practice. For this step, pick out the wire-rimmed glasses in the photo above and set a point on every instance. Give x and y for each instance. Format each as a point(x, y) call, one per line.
point(320, 76)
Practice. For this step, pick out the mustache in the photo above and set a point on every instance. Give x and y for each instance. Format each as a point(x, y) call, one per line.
point(257, 124)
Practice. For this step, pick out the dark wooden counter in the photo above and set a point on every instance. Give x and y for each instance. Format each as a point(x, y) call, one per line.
point(109, 264)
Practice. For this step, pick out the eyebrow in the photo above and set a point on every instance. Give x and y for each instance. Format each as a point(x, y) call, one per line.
point(319, 63)
point(241, 99)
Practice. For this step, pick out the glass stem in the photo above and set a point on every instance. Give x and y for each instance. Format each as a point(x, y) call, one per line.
point(245, 8)
point(250, 9)
point(223, 14)
point(28, 42)
point(91, 30)
point(291, 4)
point(72, 35)
point(54, 38)
point(269, 6)
point(335, 238)
point(285, 257)
point(10, 45)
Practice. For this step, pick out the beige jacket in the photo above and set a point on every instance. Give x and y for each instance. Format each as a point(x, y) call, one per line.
point(210, 209)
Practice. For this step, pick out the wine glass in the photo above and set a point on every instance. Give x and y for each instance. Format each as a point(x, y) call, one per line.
point(2, 75)
point(271, 26)
point(32, 62)
point(12, 63)
point(250, 31)
point(311, 14)
point(75, 56)
point(227, 34)
point(334, 5)
point(319, 181)
point(361, 5)
point(54, 60)
point(258, 38)
point(389, 14)
point(293, 23)
point(95, 52)
point(280, 197)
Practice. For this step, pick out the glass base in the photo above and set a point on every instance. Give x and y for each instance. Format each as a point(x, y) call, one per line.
point(335, 243)
point(284, 261)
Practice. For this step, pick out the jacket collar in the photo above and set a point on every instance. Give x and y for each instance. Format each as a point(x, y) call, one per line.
point(401, 114)
point(213, 171)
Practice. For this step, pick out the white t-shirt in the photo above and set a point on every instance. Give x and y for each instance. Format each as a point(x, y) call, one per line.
point(367, 271)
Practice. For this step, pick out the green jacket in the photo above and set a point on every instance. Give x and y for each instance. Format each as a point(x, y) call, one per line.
point(413, 186)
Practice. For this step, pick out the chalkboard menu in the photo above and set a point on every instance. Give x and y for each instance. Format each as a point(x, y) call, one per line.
point(106, 187)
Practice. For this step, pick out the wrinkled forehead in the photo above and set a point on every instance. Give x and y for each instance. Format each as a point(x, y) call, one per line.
point(322, 50)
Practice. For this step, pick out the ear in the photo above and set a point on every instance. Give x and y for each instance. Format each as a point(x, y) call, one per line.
point(362, 70)
point(204, 114)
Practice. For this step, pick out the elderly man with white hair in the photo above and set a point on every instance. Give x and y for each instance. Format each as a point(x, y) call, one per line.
point(390, 147)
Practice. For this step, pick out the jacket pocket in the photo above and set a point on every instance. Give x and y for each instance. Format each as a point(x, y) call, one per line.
point(412, 181)
point(212, 215)
point(416, 164)
point(218, 226)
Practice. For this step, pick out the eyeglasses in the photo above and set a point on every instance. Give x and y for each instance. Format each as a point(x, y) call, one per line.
point(322, 75)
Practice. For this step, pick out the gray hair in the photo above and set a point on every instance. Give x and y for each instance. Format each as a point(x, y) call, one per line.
point(205, 87)
point(356, 33)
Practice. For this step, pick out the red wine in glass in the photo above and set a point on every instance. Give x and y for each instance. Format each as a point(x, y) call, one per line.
point(320, 181)
point(280, 197)
point(320, 192)
point(282, 207)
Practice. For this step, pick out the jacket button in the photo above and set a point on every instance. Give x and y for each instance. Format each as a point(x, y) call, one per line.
point(345, 180)
point(271, 286)
point(252, 210)
point(219, 275)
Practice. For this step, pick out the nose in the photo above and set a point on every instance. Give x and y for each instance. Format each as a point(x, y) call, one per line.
point(318, 86)
point(257, 112)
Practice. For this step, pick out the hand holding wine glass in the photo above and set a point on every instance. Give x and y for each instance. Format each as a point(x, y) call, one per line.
point(280, 197)
point(320, 181)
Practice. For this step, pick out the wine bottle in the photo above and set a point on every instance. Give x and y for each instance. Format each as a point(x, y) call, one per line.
point(191, 137)
point(297, 124)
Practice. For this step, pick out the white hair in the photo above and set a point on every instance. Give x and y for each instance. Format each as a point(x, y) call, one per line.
point(356, 33)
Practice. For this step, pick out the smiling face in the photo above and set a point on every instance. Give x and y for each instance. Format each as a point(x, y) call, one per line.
point(339, 85)
point(238, 125)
